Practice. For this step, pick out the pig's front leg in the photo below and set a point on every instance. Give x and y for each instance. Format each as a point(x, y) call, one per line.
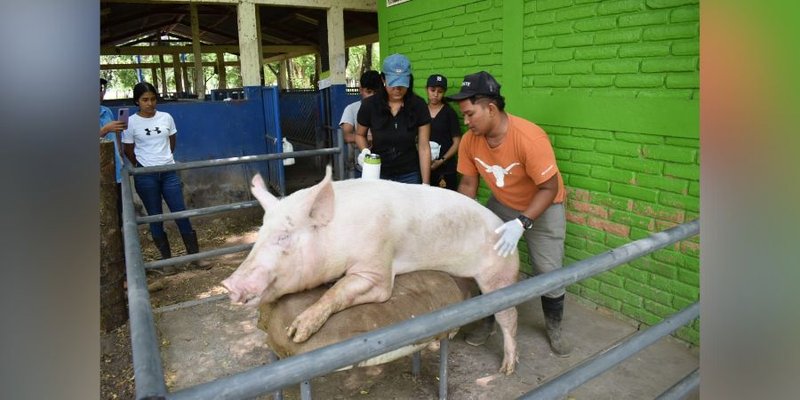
point(352, 289)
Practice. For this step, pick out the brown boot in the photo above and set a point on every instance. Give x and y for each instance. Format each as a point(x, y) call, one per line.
point(553, 311)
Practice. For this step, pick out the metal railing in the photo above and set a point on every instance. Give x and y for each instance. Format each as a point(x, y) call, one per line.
point(148, 372)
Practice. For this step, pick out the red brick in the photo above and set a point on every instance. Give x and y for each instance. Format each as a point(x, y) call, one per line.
point(592, 209)
point(576, 218)
point(611, 227)
point(578, 194)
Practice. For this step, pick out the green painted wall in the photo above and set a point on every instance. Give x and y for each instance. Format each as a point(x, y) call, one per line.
point(615, 84)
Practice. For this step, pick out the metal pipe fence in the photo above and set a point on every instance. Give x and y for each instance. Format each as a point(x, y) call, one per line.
point(148, 371)
point(559, 386)
point(298, 368)
point(682, 388)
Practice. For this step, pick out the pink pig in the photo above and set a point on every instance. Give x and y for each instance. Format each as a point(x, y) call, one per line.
point(363, 233)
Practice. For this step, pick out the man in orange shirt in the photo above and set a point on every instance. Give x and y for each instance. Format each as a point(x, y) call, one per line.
point(516, 160)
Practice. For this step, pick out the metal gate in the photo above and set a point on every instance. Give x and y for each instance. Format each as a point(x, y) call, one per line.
point(148, 370)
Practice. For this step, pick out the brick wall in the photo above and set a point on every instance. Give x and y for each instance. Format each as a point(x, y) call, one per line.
point(615, 85)
point(629, 48)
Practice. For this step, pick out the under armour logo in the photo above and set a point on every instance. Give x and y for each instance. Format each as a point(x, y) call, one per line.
point(465, 84)
point(147, 131)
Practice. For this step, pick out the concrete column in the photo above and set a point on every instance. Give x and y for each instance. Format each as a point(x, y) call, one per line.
point(164, 88)
point(223, 83)
point(283, 75)
point(249, 46)
point(176, 67)
point(186, 81)
point(336, 49)
point(199, 76)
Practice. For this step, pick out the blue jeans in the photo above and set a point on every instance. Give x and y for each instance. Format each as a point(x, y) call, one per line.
point(152, 188)
point(411, 177)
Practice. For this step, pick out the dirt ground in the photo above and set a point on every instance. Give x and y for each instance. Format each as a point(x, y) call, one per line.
point(116, 363)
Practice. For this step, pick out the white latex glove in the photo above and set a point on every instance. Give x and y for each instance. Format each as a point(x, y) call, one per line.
point(510, 232)
point(361, 156)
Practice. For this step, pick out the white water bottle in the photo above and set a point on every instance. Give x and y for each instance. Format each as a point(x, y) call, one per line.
point(288, 148)
point(372, 167)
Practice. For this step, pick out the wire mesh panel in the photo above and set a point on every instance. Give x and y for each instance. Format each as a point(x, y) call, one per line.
point(300, 115)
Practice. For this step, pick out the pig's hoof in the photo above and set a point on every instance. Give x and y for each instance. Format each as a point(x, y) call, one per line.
point(297, 332)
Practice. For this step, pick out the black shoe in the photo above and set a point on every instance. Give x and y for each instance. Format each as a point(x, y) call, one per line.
point(480, 335)
point(162, 244)
point(190, 241)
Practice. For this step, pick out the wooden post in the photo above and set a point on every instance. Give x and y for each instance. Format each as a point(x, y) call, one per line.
point(113, 309)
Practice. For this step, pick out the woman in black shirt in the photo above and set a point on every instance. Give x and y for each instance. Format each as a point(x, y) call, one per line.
point(399, 120)
point(445, 131)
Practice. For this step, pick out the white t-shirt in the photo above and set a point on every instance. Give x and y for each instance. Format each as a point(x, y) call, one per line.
point(151, 138)
point(349, 116)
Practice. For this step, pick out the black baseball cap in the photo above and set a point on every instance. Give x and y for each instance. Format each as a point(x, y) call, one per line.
point(437, 80)
point(478, 84)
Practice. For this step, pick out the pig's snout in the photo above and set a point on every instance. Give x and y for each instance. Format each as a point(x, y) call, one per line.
point(233, 292)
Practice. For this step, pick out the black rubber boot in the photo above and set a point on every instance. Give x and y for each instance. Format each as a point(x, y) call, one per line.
point(553, 311)
point(190, 241)
point(480, 335)
point(162, 244)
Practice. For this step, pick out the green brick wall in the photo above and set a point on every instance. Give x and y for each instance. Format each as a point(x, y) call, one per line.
point(615, 84)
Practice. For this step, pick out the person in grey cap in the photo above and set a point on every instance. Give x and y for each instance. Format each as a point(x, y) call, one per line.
point(516, 160)
point(399, 120)
point(445, 134)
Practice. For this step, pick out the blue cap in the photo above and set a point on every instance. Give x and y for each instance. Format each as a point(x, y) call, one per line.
point(397, 70)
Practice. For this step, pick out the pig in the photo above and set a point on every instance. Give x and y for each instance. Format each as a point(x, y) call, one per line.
point(361, 233)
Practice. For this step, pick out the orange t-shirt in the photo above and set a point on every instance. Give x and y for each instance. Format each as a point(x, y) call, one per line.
point(513, 169)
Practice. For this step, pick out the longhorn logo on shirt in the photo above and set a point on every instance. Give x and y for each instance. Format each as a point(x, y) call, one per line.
point(147, 131)
point(498, 171)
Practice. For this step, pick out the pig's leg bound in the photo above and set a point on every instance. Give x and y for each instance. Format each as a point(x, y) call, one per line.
point(350, 290)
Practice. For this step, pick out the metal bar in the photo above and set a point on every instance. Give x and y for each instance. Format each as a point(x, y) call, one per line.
point(305, 390)
point(147, 369)
point(340, 157)
point(295, 369)
point(278, 394)
point(198, 256)
point(682, 388)
point(196, 212)
point(443, 352)
point(588, 369)
point(234, 160)
point(190, 303)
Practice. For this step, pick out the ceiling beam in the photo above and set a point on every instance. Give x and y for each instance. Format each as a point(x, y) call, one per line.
point(355, 5)
point(234, 49)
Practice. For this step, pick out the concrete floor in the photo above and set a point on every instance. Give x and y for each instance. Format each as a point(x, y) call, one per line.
point(216, 339)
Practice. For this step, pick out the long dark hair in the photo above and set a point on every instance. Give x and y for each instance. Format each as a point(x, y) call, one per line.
point(142, 88)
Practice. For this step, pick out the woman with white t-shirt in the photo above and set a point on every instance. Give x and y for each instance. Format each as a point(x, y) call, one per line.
point(149, 141)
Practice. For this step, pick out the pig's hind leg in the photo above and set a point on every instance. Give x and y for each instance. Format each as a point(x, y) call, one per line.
point(350, 290)
point(490, 279)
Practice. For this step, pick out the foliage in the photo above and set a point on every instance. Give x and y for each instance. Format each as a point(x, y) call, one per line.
point(302, 71)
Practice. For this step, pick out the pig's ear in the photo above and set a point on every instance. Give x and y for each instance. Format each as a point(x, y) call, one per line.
point(322, 208)
point(261, 193)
